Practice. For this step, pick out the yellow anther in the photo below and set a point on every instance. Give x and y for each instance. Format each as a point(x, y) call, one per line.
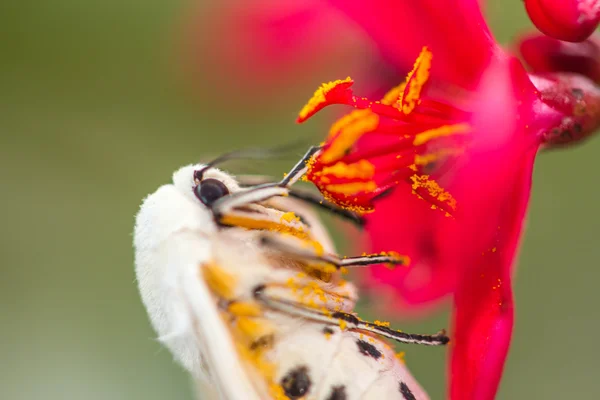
point(243, 309)
point(320, 97)
point(433, 189)
point(359, 170)
point(432, 157)
point(348, 130)
point(415, 81)
point(351, 188)
point(445, 130)
point(394, 95)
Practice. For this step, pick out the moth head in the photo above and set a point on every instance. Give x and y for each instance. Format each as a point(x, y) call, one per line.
point(204, 184)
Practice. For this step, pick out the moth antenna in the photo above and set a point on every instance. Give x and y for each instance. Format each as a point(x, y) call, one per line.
point(253, 153)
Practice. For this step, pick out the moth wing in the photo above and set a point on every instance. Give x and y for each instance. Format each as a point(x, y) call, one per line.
point(214, 339)
point(395, 382)
point(306, 346)
point(364, 369)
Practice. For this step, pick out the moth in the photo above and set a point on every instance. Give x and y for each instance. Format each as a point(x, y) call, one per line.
point(244, 287)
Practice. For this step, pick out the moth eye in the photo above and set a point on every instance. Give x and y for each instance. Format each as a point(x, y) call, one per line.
point(210, 190)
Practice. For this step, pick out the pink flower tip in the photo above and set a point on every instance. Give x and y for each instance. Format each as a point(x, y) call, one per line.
point(568, 20)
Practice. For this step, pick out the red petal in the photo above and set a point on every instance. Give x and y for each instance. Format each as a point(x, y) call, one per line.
point(494, 193)
point(263, 44)
point(455, 31)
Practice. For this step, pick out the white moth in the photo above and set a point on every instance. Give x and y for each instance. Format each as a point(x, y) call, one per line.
point(244, 287)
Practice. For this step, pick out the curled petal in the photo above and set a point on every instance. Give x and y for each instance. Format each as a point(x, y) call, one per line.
point(568, 20)
point(544, 54)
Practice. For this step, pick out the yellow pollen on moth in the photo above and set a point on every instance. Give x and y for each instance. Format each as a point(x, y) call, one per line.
point(291, 283)
point(219, 281)
point(348, 129)
point(314, 289)
point(329, 269)
point(362, 169)
point(445, 130)
point(433, 189)
point(243, 309)
point(319, 97)
point(277, 392)
point(405, 260)
point(351, 188)
point(253, 329)
point(343, 324)
point(261, 224)
point(415, 81)
point(400, 357)
point(289, 217)
point(382, 323)
point(265, 368)
point(316, 246)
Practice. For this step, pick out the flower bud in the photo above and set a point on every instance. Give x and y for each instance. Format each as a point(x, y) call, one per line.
point(568, 20)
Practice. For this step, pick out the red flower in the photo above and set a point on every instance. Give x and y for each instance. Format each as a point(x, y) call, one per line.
point(467, 127)
point(569, 20)
point(463, 131)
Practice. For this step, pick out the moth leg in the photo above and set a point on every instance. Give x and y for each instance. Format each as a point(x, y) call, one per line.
point(311, 198)
point(265, 191)
point(296, 249)
point(344, 320)
point(319, 201)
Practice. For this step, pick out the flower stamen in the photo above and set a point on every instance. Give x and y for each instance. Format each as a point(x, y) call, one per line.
point(416, 79)
point(413, 135)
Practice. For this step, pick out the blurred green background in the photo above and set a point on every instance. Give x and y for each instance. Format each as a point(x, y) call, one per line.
point(95, 113)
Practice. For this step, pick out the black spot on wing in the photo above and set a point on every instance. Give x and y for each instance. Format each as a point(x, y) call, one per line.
point(328, 331)
point(262, 342)
point(368, 349)
point(406, 392)
point(296, 383)
point(338, 393)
